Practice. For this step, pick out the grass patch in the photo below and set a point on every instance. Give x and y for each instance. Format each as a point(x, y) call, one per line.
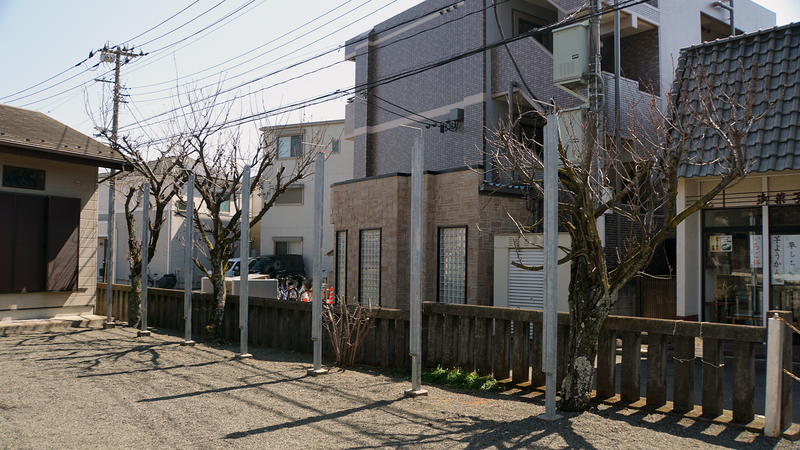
point(459, 379)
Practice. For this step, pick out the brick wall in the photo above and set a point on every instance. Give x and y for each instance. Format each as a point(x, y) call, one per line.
point(428, 40)
point(639, 59)
point(451, 199)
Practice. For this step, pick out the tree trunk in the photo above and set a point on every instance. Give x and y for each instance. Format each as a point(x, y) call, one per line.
point(576, 389)
point(135, 299)
point(217, 312)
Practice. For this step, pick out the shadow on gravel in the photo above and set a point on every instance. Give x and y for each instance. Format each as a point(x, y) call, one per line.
point(728, 436)
point(311, 420)
point(219, 390)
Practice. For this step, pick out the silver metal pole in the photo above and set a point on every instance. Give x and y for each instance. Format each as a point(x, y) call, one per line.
point(550, 316)
point(145, 257)
point(772, 410)
point(318, 295)
point(188, 263)
point(415, 341)
point(244, 273)
point(109, 272)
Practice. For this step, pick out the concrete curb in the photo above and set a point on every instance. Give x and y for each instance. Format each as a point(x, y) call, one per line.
point(63, 323)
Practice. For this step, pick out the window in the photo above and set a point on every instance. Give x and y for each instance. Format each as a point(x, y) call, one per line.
point(452, 284)
point(288, 247)
point(335, 146)
point(292, 196)
point(224, 207)
point(524, 23)
point(370, 268)
point(289, 147)
point(341, 264)
point(18, 177)
point(40, 236)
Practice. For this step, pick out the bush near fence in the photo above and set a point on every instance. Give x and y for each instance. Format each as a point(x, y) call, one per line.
point(496, 341)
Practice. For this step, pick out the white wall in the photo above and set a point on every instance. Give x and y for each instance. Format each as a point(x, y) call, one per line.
point(680, 27)
point(62, 180)
point(297, 221)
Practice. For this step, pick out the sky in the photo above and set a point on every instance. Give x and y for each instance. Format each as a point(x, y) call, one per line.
point(244, 47)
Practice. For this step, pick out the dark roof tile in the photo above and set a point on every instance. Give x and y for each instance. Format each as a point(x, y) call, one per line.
point(776, 52)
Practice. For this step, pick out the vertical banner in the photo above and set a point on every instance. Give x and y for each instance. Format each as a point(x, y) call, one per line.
point(791, 257)
point(776, 251)
point(755, 252)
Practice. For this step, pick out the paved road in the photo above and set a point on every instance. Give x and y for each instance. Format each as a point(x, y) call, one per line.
point(99, 389)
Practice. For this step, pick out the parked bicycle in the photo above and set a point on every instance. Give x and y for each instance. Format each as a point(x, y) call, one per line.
point(289, 287)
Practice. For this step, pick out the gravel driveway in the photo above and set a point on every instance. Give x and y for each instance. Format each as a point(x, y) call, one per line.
point(94, 388)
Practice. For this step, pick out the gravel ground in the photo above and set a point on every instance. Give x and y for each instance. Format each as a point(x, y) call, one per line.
point(91, 388)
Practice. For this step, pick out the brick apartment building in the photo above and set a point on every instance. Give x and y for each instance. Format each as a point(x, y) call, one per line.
point(371, 213)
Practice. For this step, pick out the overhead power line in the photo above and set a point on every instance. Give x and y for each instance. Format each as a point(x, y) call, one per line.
point(414, 71)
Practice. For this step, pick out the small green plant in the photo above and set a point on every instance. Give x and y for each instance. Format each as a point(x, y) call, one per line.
point(457, 378)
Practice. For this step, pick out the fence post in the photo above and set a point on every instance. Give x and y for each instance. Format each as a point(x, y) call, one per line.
point(772, 411)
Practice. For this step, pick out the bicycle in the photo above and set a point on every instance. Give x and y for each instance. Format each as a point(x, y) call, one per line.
point(287, 288)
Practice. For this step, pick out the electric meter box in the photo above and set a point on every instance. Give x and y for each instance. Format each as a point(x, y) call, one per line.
point(571, 55)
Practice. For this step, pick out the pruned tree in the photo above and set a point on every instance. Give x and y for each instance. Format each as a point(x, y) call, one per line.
point(707, 122)
point(217, 156)
point(160, 165)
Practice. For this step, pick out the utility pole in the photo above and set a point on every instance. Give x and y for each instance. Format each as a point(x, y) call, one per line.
point(115, 56)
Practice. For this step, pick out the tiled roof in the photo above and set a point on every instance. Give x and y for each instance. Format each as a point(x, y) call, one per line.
point(33, 131)
point(773, 141)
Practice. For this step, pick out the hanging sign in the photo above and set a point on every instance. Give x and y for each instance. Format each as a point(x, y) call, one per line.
point(755, 251)
point(722, 243)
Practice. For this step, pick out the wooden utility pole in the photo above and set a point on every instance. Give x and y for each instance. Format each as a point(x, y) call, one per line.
point(108, 55)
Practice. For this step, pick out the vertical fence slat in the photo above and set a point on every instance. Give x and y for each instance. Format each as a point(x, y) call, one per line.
point(466, 343)
point(400, 340)
point(434, 354)
point(656, 370)
point(744, 382)
point(449, 343)
point(562, 354)
point(631, 373)
point(370, 357)
point(683, 374)
point(384, 335)
point(538, 377)
point(607, 364)
point(712, 377)
point(483, 349)
point(788, 382)
point(502, 341)
point(519, 360)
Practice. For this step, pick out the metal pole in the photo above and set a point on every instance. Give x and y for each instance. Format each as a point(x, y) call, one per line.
point(772, 411)
point(617, 114)
point(109, 273)
point(550, 316)
point(244, 273)
point(318, 294)
point(145, 257)
point(415, 341)
point(188, 264)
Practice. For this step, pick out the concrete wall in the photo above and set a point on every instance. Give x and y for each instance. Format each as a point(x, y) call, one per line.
point(62, 180)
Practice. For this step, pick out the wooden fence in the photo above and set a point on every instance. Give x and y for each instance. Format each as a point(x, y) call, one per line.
point(496, 341)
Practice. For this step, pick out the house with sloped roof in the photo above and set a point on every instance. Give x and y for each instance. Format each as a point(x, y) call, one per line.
point(740, 256)
point(48, 216)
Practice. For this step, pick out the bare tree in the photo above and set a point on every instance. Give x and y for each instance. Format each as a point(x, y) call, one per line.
point(707, 123)
point(160, 165)
point(213, 144)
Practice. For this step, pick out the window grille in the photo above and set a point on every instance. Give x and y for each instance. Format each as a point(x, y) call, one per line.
point(370, 270)
point(452, 265)
point(341, 264)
